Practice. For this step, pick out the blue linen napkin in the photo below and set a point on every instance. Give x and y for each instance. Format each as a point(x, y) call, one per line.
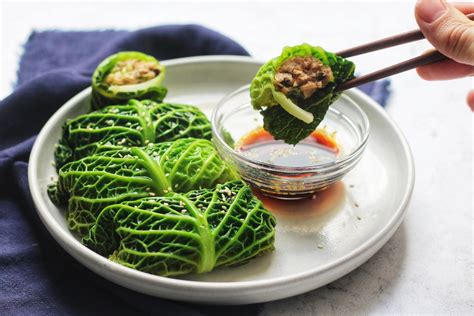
point(37, 276)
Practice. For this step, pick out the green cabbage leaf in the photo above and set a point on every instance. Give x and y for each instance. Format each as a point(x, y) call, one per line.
point(104, 94)
point(293, 117)
point(185, 233)
point(134, 124)
point(112, 176)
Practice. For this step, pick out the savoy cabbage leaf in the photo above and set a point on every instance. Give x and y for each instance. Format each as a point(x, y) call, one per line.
point(185, 233)
point(104, 93)
point(291, 117)
point(115, 175)
point(134, 124)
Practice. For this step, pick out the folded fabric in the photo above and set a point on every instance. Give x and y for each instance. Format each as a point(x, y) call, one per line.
point(37, 276)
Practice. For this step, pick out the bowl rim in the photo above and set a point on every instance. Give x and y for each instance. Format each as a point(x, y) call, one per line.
point(216, 136)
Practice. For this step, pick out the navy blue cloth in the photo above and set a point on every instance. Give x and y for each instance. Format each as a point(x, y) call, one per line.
point(37, 277)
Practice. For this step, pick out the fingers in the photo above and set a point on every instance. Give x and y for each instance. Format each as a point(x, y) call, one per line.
point(447, 29)
point(464, 7)
point(445, 70)
point(470, 100)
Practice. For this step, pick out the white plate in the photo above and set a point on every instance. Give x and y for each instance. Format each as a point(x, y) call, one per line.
point(352, 222)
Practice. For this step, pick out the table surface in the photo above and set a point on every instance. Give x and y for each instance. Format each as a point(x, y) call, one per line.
point(427, 267)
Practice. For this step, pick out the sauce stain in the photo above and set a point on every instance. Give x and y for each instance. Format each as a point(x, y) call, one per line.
point(307, 215)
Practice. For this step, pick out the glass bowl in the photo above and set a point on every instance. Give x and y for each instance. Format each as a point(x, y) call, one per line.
point(271, 173)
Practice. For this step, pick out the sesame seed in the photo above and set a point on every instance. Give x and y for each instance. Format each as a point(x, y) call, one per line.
point(152, 193)
point(183, 211)
point(122, 141)
point(320, 246)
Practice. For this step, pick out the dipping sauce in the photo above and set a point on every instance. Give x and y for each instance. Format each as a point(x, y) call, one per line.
point(319, 147)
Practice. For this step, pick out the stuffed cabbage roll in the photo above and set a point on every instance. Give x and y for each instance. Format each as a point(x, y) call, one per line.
point(185, 233)
point(111, 176)
point(294, 91)
point(134, 124)
point(127, 75)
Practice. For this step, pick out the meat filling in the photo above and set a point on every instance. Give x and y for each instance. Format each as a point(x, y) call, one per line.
point(306, 74)
point(132, 71)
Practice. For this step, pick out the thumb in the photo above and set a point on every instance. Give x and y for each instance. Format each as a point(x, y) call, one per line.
point(447, 29)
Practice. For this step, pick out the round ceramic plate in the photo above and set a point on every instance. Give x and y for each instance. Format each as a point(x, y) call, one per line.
point(317, 241)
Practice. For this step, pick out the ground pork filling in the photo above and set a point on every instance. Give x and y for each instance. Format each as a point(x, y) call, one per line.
point(306, 74)
point(132, 71)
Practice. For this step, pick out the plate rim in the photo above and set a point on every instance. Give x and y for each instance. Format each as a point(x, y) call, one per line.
point(81, 252)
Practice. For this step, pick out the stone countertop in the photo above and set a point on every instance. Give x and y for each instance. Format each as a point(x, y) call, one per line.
point(427, 266)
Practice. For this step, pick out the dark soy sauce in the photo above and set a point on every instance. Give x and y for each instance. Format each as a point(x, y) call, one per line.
point(318, 147)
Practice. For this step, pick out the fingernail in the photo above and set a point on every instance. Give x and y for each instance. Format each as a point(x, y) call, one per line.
point(430, 10)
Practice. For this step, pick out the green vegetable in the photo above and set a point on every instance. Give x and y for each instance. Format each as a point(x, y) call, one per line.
point(135, 124)
point(185, 233)
point(112, 176)
point(127, 75)
point(291, 113)
point(228, 139)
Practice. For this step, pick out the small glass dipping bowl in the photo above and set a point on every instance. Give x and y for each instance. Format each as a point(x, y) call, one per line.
point(234, 117)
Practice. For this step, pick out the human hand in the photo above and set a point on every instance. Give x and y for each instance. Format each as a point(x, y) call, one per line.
point(448, 29)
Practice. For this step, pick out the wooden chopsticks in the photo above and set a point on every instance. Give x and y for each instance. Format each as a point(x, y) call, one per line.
point(391, 41)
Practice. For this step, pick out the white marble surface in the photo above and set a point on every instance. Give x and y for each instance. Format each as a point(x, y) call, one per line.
point(427, 267)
